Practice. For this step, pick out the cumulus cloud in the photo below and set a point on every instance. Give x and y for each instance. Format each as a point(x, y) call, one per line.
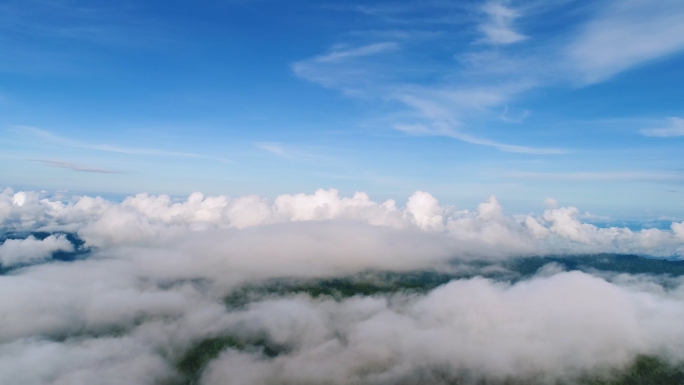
point(144, 220)
point(29, 250)
point(678, 229)
point(550, 203)
point(158, 273)
point(28, 210)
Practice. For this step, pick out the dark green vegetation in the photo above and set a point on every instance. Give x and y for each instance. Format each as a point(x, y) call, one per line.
point(630, 264)
point(511, 270)
point(340, 288)
point(195, 359)
point(645, 370)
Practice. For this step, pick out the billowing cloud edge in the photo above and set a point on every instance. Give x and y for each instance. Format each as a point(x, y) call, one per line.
point(146, 219)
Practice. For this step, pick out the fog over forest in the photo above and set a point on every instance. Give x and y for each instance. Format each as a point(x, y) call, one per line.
point(313, 289)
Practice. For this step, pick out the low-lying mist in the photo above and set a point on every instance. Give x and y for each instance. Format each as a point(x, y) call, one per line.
point(312, 289)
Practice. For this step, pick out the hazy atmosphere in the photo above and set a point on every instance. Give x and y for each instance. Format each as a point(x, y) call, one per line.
point(367, 193)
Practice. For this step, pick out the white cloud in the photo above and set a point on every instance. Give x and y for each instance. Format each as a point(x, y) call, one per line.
point(678, 229)
point(27, 210)
point(550, 203)
point(625, 34)
point(426, 211)
point(498, 29)
point(30, 250)
point(474, 325)
point(145, 220)
point(674, 127)
point(94, 361)
point(458, 326)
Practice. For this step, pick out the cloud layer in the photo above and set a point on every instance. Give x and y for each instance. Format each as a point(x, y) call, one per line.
point(156, 220)
point(155, 273)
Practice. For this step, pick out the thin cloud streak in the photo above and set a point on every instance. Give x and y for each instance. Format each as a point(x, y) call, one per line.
point(76, 166)
point(509, 147)
point(442, 107)
point(55, 139)
point(498, 29)
point(635, 176)
point(283, 151)
point(368, 50)
point(419, 129)
point(274, 149)
point(674, 127)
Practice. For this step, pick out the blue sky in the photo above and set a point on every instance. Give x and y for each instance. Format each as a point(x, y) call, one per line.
point(525, 100)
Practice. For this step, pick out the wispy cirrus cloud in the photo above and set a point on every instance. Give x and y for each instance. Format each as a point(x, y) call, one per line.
point(353, 70)
point(411, 13)
point(673, 127)
point(441, 111)
point(432, 110)
point(368, 50)
point(609, 176)
point(461, 100)
point(498, 28)
point(624, 34)
point(447, 103)
point(62, 141)
point(42, 36)
point(76, 166)
point(418, 129)
point(283, 151)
